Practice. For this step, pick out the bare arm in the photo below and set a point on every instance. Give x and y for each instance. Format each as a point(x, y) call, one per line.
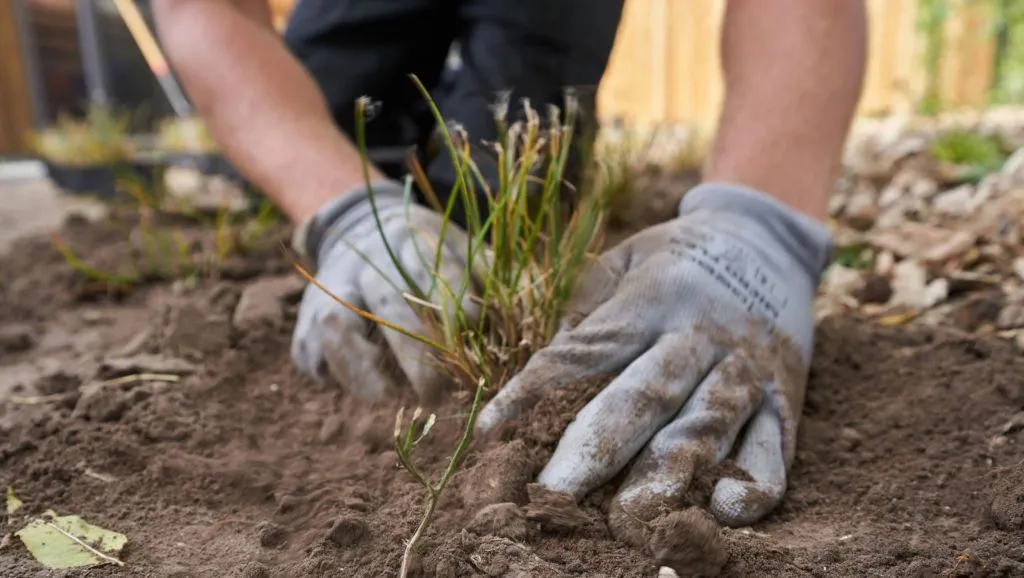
point(265, 111)
point(793, 73)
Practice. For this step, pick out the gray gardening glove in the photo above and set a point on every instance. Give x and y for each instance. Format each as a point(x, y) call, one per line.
point(707, 321)
point(353, 263)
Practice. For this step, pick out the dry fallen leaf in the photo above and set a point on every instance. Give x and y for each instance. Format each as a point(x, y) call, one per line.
point(13, 502)
point(70, 542)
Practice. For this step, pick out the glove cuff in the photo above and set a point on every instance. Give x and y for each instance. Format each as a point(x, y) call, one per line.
point(342, 213)
point(807, 240)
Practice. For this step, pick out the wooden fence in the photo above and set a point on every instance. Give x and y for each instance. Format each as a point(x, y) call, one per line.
point(665, 66)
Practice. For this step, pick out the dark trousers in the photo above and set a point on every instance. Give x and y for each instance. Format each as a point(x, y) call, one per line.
point(533, 49)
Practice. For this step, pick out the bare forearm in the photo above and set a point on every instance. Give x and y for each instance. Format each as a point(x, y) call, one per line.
point(793, 71)
point(264, 110)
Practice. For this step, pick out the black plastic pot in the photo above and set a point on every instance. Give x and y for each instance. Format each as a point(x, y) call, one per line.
point(103, 180)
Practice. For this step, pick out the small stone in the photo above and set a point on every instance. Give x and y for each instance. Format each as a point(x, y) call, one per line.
point(890, 195)
point(1015, 424)
point(905, 145)
point(356, 504)
point(876, 289)
point(252, 570)
point(271, 535)
point(936, 292)
point(348, 531)
point(1007, 507)
point(287, 503)
point(851, 437)
point(862, 207)
point(884, 263)
point(99, 402)
point(506, 520)
point(261, 302)
point(1012, 315)
point(1018, 267)
point(894, 216)
point(501, 476)
point(191, 330)
point(331, 428)
point(830, 306)
point(92, 317)
point(923, 188)
point(58, 382)
point(980, 310)
point(956, 202)
point(223, 297)
point(840, 280)
point(555, 510)
point(16, 338)
point(909, 284)
point(837, 204)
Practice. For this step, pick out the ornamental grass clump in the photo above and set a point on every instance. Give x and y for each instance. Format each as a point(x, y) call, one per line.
point(526, 246)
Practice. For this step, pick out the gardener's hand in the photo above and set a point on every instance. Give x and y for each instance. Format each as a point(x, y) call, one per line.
point(354, 263)
point(707, 321)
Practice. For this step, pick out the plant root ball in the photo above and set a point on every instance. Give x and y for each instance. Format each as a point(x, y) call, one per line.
point(689, 542)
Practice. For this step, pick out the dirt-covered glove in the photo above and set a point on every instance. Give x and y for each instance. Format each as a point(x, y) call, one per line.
point(707, 321)
point(353, 263)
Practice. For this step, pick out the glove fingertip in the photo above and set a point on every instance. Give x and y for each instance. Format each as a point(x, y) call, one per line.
point(737, 503)
point(490, 417)
point(505, 406)
point(428, 382)
point(306, 355)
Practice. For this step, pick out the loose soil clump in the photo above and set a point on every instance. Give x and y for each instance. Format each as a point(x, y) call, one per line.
point(909, 462)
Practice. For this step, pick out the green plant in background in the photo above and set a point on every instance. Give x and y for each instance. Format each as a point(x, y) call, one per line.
point(162, 250)
point(1009, 75)
point(856, 256)
point(979, 154)
point(101, 138)
point(525, 257)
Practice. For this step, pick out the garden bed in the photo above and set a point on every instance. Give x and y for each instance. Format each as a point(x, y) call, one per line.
point(910, 461)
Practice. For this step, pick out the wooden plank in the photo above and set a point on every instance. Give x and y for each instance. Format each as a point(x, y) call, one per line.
point(968, 64)
point(696, 69)
point(626, 90)
point(15, 107)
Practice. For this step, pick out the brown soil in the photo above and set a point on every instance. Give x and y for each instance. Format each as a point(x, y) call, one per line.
point(910, 463)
